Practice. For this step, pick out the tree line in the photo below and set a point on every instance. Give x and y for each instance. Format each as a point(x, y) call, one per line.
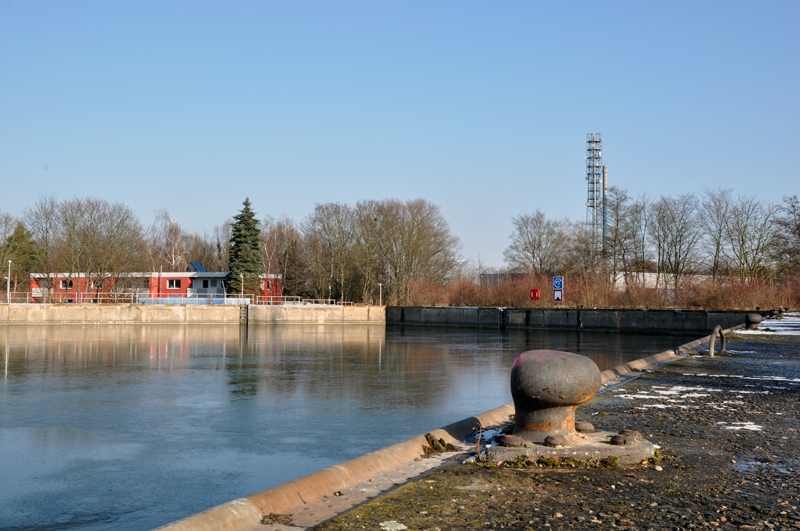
point(400, 249)
point(718, 235)
point(338, 251)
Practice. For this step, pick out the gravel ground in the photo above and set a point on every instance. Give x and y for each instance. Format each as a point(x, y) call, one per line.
point(728, 427)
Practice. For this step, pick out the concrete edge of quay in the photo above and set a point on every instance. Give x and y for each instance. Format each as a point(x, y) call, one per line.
point(246, 513)
point(185, 314)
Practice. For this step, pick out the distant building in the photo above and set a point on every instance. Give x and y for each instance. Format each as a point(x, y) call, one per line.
point(195, 285)
point(623, 281)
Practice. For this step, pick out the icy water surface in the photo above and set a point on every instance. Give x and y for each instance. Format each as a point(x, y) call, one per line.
point(132, 427)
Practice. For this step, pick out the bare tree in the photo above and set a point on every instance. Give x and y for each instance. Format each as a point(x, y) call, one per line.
point(102, 240)
point(87, 236)
point(715, 209)
point(168, 242)
point(616, 208)
point(202, 248)
point(675, 231)
point(222, 243)
point(788, 251)
point(317, 259)
point(41, 219)
point(419, 245)
point(660, 225)
point(369, 243)
point(536, 244)
point(634, 227)
point(330, 227)
point(750, 230)
point(579, 251)
point(276, 237)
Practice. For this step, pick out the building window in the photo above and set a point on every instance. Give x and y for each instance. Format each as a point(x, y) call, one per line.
point(269, 284)
point(213, 283)
point(66, 284)
point(174, 283)
point(205, 284)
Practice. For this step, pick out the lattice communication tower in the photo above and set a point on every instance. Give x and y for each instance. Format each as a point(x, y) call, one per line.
point(596, 177)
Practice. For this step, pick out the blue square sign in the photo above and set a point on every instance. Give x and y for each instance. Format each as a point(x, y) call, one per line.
point(558, 282)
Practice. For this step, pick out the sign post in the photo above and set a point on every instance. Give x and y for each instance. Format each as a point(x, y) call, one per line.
point(558, 289)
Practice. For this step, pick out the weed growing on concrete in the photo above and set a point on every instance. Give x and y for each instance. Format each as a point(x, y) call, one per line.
point(436, 446)
point(273, 518)
point(659, 456)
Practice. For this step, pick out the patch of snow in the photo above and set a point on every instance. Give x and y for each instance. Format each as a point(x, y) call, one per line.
point(789, 325)
point(631, 397)
point(751, 426)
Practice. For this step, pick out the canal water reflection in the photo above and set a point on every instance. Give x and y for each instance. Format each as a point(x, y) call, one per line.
point(131, 427)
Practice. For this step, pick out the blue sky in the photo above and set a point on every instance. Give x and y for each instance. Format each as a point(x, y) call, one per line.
point(481, 108)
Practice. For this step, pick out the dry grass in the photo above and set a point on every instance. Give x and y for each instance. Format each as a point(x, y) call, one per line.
point(592, 291)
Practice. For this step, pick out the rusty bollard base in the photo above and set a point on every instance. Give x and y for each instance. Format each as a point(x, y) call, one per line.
point(597, 445)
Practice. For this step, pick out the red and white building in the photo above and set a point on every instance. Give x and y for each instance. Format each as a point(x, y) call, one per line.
point(189, 286)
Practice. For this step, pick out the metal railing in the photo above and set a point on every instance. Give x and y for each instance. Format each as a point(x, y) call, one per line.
point(144, 297)
point(37, 296)
point(194, 298)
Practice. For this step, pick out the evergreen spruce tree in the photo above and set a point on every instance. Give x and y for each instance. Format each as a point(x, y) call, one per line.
point(25, 257)
point(244, 258)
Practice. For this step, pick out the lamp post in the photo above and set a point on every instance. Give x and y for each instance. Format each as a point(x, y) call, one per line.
point(380, 294)
point(8, 284)
point(459, 266)
point(242, 277)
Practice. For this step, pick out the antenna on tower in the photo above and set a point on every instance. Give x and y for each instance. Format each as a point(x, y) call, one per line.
point(595, 222)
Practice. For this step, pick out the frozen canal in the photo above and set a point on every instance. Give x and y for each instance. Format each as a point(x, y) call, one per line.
point(132, 427)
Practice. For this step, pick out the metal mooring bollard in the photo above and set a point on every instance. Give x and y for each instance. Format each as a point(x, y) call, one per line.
point(752, 320)
point(547, 386)
point(717, 332)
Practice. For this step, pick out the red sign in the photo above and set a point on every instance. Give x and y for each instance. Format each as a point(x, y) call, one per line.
point(558, 295)
point(535, 294)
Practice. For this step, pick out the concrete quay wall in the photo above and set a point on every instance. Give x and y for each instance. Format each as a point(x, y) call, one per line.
point(612, 320)
point(316, 314)
point(40, 314)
